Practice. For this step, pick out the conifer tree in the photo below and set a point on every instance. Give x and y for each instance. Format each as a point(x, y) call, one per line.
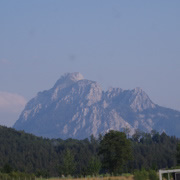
point(115, 149)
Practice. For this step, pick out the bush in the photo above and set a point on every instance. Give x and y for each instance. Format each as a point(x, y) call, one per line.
point(141, 175)
point(4, 176)
point(16, 176)
point(153, 175)
point(126, 174)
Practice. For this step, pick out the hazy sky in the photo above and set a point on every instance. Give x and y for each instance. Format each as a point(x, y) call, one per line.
point(117, 43)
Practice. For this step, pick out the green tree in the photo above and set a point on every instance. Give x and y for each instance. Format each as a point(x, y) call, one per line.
point(7, 169)
point(68, 165)
point(127, 131)
point(137, 135)
point(115, 149)
point(94, 166)
point(178, 154)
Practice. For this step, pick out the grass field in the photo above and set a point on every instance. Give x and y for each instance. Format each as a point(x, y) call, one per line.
point(130, 177)
point(126, 177)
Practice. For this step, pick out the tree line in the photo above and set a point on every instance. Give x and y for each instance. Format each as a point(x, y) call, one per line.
point(112, 153)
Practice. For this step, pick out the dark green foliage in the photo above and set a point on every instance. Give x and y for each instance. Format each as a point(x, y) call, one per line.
point(153, 175)
point(178, 154)
point(153, 151)
point(16, 176)
point(145, 175)
point(141, 175)
point(7, 169)
point(115, 149)
point(27, 153)
point(94, 166)
point(137, 135)
point(82, 150)
point(68, 164)
point(42, 173)
point(31, 154)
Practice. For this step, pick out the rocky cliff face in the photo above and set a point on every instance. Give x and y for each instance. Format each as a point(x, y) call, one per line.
point(77, 108)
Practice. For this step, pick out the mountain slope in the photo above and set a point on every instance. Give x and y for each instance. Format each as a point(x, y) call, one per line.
point(76, 107)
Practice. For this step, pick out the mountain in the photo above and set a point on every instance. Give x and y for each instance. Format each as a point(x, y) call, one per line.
point(76, 108)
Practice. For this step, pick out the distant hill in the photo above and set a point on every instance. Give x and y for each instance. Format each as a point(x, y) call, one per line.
point(76, 108)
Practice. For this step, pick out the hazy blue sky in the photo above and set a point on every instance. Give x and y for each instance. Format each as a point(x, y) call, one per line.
point(117, 43)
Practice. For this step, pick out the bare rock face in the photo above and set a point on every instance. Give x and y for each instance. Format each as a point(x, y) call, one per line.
point(140, 100)
point(77, 108)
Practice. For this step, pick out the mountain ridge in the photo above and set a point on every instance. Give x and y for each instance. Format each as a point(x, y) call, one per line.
point(76, 108)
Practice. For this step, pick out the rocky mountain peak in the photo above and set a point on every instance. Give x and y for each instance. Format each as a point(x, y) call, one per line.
point(140, 100)
point(68, 79)
point(77, 108)
point(65, 81)
point(76, 76)
point(138, 90)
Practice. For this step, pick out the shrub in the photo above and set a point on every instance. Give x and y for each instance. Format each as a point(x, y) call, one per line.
point(141, 175)
point(16, 176)
point(126, 174)
point(4, 176)
point(153, 175)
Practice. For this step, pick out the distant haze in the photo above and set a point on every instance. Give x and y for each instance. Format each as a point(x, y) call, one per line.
point(11, 106)
point(124, 44)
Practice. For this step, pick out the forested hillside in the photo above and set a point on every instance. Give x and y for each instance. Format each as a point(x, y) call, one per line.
point(52, 157)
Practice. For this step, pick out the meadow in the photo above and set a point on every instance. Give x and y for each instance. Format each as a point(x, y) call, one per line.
point(124, 177)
